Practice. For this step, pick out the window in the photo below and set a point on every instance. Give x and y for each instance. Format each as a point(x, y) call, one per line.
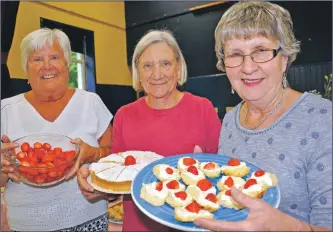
point(77, 74)
point(82, 70)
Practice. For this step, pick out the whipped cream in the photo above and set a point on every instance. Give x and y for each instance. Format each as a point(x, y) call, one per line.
point(225, 167)
point(264, 179)
point(163, 175)
point(238, 181)
point(183, 167)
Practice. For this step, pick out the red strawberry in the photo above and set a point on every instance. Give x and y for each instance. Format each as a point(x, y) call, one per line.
point(130, 160)
point(193, 170)
point(38, 145)
point(169, 170)
point(42, 168)
point(159, 186)
point(229, 182)
point(69, 155)
point(259, 173)
point(173, 184)
point(193, 207)
point(182, 195)
point(228, 192)
point(233, 162)
point(40, 179)
point(25, 147)
point(57, 150)
point(25, 164)
point(46, 146)
point(209, 166)
point(189, 161)
point(32, 156)
point(204, 184)
point(249, 183)
point(21, 155)
point(211, 197)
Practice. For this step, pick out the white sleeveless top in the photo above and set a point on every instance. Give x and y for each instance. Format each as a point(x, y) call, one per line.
point(61, 206)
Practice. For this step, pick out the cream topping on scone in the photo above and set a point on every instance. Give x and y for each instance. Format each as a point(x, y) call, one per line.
point(182, 166)
point(166, 172)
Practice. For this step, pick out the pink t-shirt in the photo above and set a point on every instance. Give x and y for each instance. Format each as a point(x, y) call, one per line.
point(193, 121)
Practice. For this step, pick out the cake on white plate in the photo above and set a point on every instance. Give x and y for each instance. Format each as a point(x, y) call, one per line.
point(117, 171)
point(265, 178)
point(185, 162)
point(254, 189)
point(235, 168)
point(226, 182)
point(178, 199)
point(166, 172)
point(192, 175)
point(154, 193)
point(210, 169)
point(225, 199)
point(191, 212)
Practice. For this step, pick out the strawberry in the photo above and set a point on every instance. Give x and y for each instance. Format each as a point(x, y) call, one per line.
point(204, 184)
point(46, 146)
point(193, 207)
point(130, 160)
point(37, 145)
point(25, 164)
point(193, 170)
point(42, 168)
point(25, 147)
point(57, 150)
point(249, 183)
point(47, 158)
point(169, 170)
point(40, 179)
point(173, 184)
point(229, 182)
point(228, 192)
point(233, 162)
point(211, 197)
point(52, 173)
point(182, 195)
point(209, 166)
point(32, 156)
point(187, 161)
point(159, 186)
point(259, 173)
point(39, 153)
point(21, 155)
point(69, 155)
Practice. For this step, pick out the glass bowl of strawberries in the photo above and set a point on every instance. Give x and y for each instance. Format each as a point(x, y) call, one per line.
point(43, 159)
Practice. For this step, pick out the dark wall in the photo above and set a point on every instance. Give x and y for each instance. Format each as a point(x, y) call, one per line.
point(194, 32)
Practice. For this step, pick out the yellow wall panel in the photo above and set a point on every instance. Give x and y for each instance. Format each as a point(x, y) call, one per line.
point(110, 42)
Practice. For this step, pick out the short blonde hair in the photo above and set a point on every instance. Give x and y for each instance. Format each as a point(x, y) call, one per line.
point(244, 20)
point(39, 38)
point(152, 37)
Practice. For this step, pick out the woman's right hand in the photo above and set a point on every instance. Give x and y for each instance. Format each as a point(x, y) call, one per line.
point(87, 190)
point(7, 168)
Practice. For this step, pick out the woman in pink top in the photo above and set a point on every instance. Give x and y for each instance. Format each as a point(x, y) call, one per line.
point(166, 121)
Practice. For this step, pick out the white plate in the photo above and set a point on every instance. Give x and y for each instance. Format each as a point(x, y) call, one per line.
point(115, 221)
point(103, 189)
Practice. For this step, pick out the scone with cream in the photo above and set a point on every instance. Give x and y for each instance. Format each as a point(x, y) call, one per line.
point(235, 168)
point(209, 202)
point(166, 172)
point(191, 212)
point(254, 189)
point(210, 169)
point(201, 189)
point(185, 162)
point(265, 178)
point(192, 175)
point(173, 186)
point(154, 193)
point(178, 199)
point(225, 199)
point(226, 182)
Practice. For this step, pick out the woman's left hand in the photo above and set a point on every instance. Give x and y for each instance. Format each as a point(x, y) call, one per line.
point(87, 154)
point(262, 217)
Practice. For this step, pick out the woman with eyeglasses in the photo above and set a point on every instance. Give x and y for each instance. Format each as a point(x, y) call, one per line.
point(276, 128)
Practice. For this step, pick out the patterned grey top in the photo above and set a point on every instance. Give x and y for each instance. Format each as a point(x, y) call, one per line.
point(298, 149)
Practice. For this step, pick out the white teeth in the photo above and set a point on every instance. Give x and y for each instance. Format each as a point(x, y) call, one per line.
point(48, 76)
point(251, 81)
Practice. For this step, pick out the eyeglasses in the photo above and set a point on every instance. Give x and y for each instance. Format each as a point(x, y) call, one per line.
point(259, 56)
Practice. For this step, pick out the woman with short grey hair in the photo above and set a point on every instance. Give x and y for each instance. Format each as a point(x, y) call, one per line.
point(276, 128)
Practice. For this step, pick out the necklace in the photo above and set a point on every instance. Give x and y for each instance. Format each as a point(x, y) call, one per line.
point(267, 115)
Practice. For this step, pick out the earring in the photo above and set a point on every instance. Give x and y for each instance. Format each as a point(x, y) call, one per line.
point(28, 83)
point(284, 81)
point(232, 91)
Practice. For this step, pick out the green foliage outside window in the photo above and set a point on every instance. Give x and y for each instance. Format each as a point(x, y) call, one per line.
point(73, 73)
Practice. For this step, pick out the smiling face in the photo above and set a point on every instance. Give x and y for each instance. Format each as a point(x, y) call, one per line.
point(253, 81)
point(159, 70)
point(47, 69)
